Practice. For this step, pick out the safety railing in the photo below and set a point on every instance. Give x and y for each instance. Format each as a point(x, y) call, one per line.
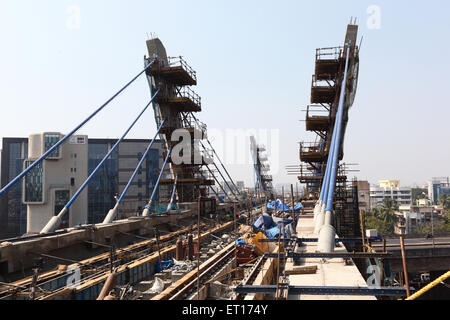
point(191, 122)
point(186, 92)
point(329, 53)
point(179, 61)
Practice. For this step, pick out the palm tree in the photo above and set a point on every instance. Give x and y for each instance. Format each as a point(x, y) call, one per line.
point(387, 211)
point(444, 200)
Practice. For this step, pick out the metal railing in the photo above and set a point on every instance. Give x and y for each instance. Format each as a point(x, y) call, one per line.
point(329, 53)
point(190, 122)
point(186, 92)
point(179, 61)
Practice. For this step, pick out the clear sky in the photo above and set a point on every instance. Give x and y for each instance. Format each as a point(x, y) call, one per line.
point(254, 61)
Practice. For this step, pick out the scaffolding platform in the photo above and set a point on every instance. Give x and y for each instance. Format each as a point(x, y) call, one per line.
point(317, 123)
point(178, 72)
point(196, 181)
point(311, 152)
point(181, 104)
point(323, 94)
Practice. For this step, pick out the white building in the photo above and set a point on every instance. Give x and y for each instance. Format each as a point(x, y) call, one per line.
point(389, 189)
point(51, 184)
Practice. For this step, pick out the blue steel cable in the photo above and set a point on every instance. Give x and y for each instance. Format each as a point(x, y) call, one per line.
point(328, 167)
point(140, 163)
point(159, 179)
point(49, 151)
point(75, 196)
point(332, 183)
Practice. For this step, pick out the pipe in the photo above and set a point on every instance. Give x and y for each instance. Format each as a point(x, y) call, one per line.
point(109, 286)
point(405, 270)
point(148, 207)
point(53, 224)
point(337, 138)
point(113, 212)
point(327, 236)
point(429, 286)
point(49, 151)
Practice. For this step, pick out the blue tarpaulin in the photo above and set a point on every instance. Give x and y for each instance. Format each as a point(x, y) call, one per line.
point(280, 205)
point(263, 222)
point(240, 242)
point(298, 206)
point(273, 232)
point(277, 220)
point(166, 264)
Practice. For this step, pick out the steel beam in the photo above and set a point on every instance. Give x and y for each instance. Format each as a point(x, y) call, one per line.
point(318, 290)
point(331, 255)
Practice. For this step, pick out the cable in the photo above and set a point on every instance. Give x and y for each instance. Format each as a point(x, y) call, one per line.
point(56, 220)
point(49, 151)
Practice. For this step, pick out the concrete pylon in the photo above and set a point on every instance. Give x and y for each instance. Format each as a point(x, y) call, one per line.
point(317, 209)
point(111, 214)
point(327, 237)
point(146, 212)
point(328, 217)
point(54, 222)
point(320, 220)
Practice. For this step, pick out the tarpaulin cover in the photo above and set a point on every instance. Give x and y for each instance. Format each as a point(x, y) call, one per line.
point(263, 222)
point(277, 220)
point(240, 242)
point(280, 205)
point(273, 232)
point(166, 264)
point(298, 206)
point(268, 221)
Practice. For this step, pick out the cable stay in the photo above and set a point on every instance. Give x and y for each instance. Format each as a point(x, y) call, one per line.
point(55, 221)
point(113, 212)
point(55, 146)
point(324, 219)
point(148, 208)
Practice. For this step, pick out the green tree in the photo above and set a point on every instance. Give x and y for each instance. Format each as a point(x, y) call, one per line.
point(444, 200)
point(383, 219)
point(418, 193)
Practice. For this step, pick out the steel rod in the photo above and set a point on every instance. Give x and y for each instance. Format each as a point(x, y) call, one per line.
point(53, 148)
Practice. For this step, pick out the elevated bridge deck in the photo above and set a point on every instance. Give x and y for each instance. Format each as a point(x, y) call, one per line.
point(330, 272)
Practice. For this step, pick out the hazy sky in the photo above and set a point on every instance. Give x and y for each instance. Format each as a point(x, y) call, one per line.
point(254, 61)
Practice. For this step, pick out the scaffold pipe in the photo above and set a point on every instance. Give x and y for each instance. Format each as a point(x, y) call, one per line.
point(430, 286)
point(53, 148)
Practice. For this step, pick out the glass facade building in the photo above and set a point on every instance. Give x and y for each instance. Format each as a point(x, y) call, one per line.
point(13, 217)
point(102, 189)
point(104, 185)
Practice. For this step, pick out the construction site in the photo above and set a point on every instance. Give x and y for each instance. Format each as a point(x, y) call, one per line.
point(197, 236)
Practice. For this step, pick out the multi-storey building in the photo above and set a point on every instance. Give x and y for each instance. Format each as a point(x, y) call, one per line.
point(389, 189)
point(63, 174)
point(438, 186)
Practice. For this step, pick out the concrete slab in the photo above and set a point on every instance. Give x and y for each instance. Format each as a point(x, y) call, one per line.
point(330, 272)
